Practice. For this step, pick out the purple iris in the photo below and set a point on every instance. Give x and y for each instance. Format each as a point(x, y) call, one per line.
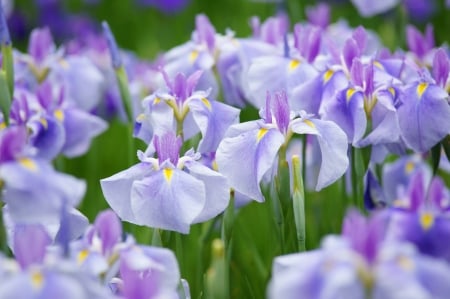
point(360, 264)
point(168, 192)
point(183, 105)
point(249, 149)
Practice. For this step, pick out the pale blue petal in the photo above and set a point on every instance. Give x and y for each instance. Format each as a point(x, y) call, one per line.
point(217, 190)
point(168, 203)
point(244, 160)
point(333, 146)
point(117, 189)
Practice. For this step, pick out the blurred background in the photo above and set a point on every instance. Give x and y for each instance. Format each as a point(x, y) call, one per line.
point(151, 26)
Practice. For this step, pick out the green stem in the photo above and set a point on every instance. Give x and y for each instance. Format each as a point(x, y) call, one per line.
point(298, 201)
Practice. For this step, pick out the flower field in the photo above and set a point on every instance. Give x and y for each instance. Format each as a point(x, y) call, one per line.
point(225, 149)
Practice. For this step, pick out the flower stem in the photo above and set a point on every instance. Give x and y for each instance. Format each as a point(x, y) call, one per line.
point(298, 201)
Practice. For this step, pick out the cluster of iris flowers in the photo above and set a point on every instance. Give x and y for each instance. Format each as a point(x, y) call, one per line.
point(334, 106)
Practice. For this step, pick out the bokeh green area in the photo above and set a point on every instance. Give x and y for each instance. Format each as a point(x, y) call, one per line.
point(254, 242)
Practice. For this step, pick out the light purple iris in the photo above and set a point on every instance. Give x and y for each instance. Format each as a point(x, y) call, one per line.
point(182, 105)
point(147, 273)
point(423, 115)
point(359, 264)
point(168, 192)
point(43, 274)
point(33, 191)
point(56, 125)
point(197, 54)
point(249, 149)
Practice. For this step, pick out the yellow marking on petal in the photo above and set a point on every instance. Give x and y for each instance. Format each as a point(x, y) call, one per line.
point(44, 122)
point(400, 203)
point(37, 279)
point(405, 263)
point(349, 93)
point(421, 88)
point(207, 103)
point(28, 164)
point(409, 167)
point(156, 101)
point(327, 76)
point(378, 65)
point(261, 133)
point(59, 114)
point(82, 256)
point(294, 64)
point(2, 125)
point(426, 220)
point(193, 56)
point(140, 118)
point(392, 91)
point(64, 63)
point(309, 123)
point(214, 165)
point(168, 173)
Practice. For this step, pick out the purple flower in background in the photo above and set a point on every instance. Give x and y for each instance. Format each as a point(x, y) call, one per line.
point(421, 217)
point(147, 273)
point(319, 15)
point(418, 43)
point(168, 192)
point(360, 264)
point(249, 149)
point(368, 8)
point(423, 115)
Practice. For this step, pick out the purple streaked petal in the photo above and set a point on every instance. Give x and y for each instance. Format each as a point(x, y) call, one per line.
point(333, 146)
point(168, 201)
point(117, 189)
point(350, 51)
point(319, 15)
point(360, 36)
point(192, 81)
point(205, 31)
point(357, 72)
point(281, 111)
point(246, 156)
point(109, 229)
point(30, 243)
point(416, 191)
point(167, 147)
point(441, 67)
point(418, 43)
point(41, 44)
point(12, 143)
point(438, 194)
